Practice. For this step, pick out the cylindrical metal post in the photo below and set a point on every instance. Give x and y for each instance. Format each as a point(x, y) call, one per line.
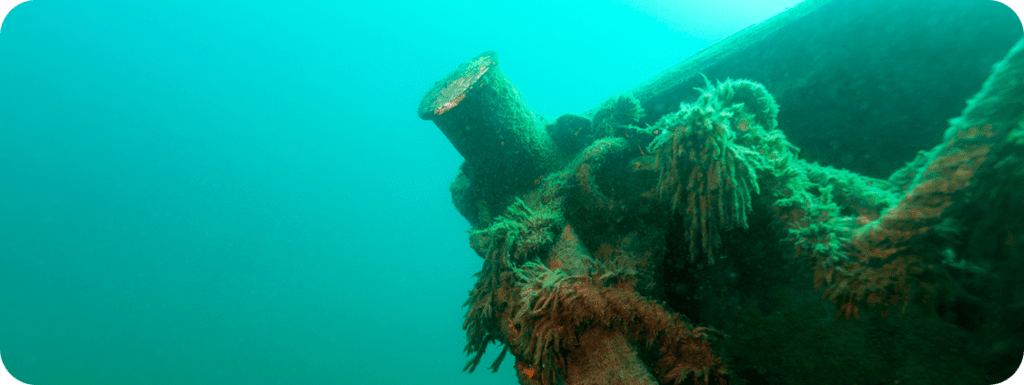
point(488, 122)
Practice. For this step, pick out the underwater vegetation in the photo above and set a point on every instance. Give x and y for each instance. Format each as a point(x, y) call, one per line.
point(701, 248)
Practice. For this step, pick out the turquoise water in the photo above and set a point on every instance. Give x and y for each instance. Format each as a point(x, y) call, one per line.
point(242, 193)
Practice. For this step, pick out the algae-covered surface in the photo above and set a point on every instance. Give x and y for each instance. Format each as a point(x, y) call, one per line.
point(698, 245)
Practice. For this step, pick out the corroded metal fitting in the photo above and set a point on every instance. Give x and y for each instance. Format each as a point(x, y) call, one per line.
point(488, 122)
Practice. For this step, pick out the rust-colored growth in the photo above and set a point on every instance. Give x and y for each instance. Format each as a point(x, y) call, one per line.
point(485, 118)
point(606, 357)
point(881, 272)
point(578, 321)
point(886, 263)
point(582, 328)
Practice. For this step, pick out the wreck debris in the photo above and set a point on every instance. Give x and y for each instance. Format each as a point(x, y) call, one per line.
point(591, 273)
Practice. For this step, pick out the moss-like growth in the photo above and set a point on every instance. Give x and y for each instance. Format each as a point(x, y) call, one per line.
point(513, 237)
point(617, 113)
point(557, 308)
point(753, 97)
point(571, 133)
point(708, 153)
